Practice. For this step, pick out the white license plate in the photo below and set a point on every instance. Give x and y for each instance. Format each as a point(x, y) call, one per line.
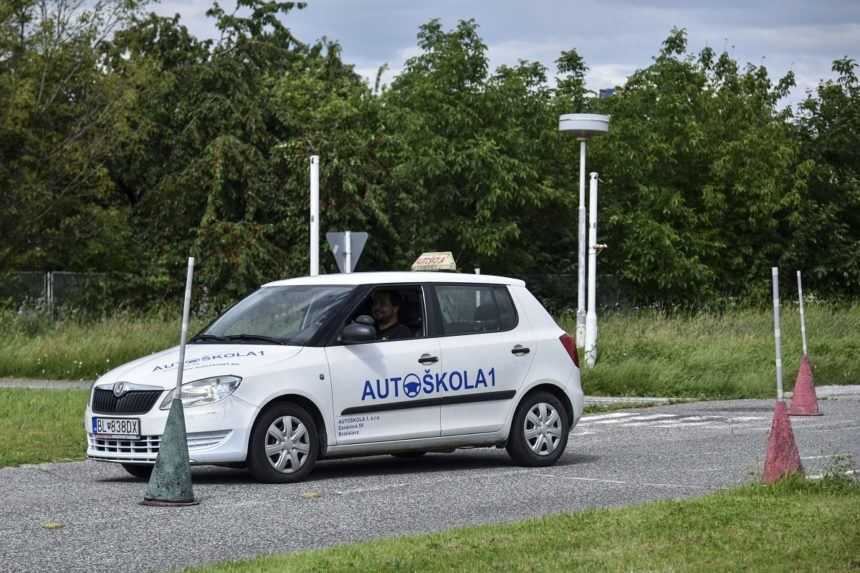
point(117, 427)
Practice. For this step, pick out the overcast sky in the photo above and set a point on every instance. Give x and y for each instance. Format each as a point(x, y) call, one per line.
point(615, 37)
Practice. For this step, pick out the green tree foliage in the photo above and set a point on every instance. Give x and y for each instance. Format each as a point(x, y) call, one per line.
point(827, 240)
point(461, 145)
point(702, 174)
point(55, 135)
point(127, 144)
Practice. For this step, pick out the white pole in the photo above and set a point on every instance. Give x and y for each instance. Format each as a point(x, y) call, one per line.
point(580, 289)
point(315, 215)
point(347, 238)
point(802, 314)
point(777, 333)
point(477, 291)
point(186, 309)
point(591, 317)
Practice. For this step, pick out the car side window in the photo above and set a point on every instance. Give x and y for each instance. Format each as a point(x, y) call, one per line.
point(471, 309)
point(397, 312)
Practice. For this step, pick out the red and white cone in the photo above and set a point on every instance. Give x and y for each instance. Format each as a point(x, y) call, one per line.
point(783, 458)
point(804, 402)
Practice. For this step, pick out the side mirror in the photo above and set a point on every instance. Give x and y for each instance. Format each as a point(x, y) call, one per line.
point(365, 319)
point(356, 332)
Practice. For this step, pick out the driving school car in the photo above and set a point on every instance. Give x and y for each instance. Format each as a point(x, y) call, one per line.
point(297, 372)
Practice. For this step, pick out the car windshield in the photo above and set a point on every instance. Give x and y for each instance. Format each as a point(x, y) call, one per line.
point(277, 315)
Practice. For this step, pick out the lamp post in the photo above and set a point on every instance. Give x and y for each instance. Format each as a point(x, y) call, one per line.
point(315, 216)
point(583, 126)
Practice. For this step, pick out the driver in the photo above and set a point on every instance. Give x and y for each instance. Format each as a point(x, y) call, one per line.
point(386, 311)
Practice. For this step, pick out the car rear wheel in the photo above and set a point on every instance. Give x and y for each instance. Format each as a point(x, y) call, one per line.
point(539, 431)
point(138, 470)
point(284, 444)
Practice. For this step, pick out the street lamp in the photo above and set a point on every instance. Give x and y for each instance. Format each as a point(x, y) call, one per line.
point(583, 126)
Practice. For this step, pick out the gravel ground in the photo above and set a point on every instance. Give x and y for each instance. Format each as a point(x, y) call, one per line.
point(613, 459)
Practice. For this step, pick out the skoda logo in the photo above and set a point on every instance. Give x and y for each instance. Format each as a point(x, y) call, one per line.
point(411, 385)
point(119, 389)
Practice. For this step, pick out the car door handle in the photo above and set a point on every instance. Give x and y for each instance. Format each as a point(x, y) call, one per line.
point(520, 350)
point(427, 359)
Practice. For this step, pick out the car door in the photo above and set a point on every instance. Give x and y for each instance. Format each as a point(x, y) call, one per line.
point(486, 354)
point(385, 390)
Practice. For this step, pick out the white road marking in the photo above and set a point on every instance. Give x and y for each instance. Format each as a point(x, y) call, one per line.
point(588, 419)
point(668, 421)
point(681, 425)
point(823, 457)
point(821, 476)
point(619, 482)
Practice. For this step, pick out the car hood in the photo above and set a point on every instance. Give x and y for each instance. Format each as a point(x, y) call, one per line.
point(201, 361)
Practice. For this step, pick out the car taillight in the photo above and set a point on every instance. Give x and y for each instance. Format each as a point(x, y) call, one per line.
point(570, 346)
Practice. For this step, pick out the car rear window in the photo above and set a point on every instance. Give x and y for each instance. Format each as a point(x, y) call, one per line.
point(472, 309)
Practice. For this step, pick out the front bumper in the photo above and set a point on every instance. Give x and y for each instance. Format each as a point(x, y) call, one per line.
point(216, 434)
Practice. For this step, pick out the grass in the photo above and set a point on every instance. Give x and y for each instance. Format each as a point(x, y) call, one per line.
point(795, 525)
point(724, 356)
point(41, 425)
point(645, 353)
point(34, 347)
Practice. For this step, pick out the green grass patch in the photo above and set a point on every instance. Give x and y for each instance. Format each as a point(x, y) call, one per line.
point(793, 526)
point(645, 353)
point(728, 355)
point(41, 425)
point(32, 346)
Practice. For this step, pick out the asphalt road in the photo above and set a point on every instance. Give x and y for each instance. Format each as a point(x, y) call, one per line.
point(613, 459)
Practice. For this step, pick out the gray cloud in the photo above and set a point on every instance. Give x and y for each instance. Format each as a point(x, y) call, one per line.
point(614, 36)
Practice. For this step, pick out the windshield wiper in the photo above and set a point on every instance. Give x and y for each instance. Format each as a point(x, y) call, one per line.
point(207, 338)
point(257, 337)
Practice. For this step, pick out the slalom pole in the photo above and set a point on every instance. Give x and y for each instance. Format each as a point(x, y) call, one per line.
point(782, 457)
point(802, 314)
point(777, 334)
point(170, 482)
point(804, 401)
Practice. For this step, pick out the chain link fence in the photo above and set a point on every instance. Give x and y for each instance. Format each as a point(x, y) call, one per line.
point(60, 293)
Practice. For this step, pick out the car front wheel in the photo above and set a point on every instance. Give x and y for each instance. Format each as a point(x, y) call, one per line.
point(284, 444)
point(539, 431)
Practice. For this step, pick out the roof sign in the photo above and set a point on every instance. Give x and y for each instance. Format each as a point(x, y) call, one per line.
point(435, 262)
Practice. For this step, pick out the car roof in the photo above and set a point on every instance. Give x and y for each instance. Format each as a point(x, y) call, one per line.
point(354, 279)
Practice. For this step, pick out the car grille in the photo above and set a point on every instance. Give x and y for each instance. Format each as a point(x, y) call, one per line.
point(134, 402)
point(145, 445)
point(148, 445)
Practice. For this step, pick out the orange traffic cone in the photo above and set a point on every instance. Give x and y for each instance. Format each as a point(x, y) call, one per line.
point(804, 401)
point(783, 458)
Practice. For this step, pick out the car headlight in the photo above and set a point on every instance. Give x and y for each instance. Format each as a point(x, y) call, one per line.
point(205, 391)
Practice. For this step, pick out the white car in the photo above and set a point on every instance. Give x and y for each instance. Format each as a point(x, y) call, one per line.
point(297, 372)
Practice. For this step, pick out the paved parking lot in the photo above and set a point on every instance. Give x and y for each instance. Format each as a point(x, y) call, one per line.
point(613, 459)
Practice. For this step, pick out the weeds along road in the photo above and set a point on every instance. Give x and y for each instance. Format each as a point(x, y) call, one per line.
point(613, 459)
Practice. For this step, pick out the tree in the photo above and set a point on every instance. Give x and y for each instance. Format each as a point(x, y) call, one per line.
point(460, 143)
point(701, 175)
point(827, 239)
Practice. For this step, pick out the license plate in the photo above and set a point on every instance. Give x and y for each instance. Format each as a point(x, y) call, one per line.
point(117, 427)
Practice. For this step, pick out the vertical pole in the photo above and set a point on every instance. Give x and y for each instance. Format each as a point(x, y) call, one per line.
point(315, 215)
point(591, 316)
point(186, 309)
point(580, 289)
point(347, 238)
point(51, 294)
point(802, 314)
point(477, 292)
point(777, 334)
